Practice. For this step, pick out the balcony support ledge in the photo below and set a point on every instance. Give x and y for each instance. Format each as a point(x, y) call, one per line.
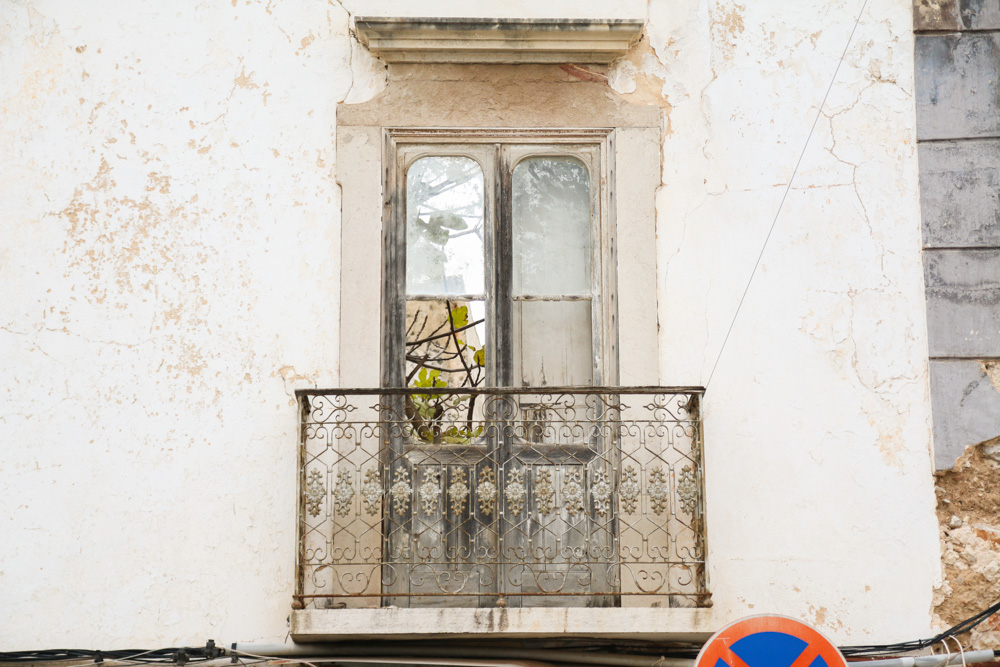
point(674, 624)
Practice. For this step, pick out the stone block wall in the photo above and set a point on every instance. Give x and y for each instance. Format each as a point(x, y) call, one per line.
point(958, 133)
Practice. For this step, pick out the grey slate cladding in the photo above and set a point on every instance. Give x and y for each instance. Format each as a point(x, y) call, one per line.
point(957, 55)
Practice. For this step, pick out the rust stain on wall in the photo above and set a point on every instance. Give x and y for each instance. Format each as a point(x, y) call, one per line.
point(992, 370)
point(584, 74)
point(935, 14)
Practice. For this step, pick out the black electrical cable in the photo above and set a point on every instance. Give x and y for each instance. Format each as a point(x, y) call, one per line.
point(180, 656)
point(175, 655)
point(917, 645)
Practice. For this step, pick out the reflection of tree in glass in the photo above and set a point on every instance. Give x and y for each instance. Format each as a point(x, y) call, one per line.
point(439, 354)
point(444, 202)
point(551, 203)
point(552, 183)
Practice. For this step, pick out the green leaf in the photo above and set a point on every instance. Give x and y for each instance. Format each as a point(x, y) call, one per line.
point(460, 316)
point(479, 358)
point(428, 379)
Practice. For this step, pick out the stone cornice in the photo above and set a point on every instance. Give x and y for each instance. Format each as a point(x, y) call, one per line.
point(467, 40)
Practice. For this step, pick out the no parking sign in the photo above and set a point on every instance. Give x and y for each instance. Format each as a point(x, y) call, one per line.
point(769, 641)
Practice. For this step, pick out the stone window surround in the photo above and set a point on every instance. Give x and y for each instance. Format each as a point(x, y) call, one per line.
point(543, 102)
point(505, 100)
point(484, 40)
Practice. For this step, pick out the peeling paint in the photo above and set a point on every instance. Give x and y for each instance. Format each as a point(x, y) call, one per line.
point(726, 21)
point(172, 271)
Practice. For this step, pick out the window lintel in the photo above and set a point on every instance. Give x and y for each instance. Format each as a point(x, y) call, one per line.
point(497, 40)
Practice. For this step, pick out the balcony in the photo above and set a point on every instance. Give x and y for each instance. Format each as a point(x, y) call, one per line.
point(500, 498)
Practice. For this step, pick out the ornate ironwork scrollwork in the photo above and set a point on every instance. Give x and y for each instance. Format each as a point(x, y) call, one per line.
point(430, 491)
point(458, 492)
point(315, 491)
point(687, 490)
point(658, 490)
point(486, 490)
point(371, 491)
point(545, 492)
point(573, 492)
point(514, 492)
point(600, 493)
point(401, 491)
point(343, 492)
point(628, 490)
point(499, 494)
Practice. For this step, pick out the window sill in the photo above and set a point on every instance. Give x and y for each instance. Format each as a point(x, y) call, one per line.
point(677, 624)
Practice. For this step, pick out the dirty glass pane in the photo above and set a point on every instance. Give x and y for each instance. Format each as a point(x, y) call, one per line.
point(551, 227)
point(444, 226)
point(553, 343)
point(445, 343)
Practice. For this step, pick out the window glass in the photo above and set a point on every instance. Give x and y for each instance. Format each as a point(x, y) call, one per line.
point(444, 226)
point(551, 227)
point(555, 343)
point(551, 230)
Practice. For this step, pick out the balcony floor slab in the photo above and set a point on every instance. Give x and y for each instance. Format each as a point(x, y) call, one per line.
point(675, 624)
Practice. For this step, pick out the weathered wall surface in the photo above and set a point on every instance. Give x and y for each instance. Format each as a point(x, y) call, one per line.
point(169, 204)
point(817, 414)
point(958, 122)
point(968, 498)
point(171, 215)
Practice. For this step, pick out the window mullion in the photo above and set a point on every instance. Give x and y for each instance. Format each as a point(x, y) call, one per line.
point(502, 272)
point(394, 288)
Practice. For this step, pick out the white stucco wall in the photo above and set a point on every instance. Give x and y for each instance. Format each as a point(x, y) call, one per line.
point(817, 437)
point(170, 219)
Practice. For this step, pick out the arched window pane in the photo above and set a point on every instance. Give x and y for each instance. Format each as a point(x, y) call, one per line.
point(444, 227)
point(551, 227)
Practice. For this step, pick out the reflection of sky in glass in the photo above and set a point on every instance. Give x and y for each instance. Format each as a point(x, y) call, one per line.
point(444, 226)
point(551, 221)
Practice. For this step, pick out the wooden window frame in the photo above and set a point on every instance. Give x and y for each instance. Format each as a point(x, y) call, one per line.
point(504, 149)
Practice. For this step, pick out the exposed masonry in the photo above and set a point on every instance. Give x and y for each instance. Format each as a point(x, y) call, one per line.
point(968, 500)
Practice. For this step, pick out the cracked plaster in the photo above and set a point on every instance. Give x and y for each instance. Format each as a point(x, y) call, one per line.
point(830, 342)
point(173, 219)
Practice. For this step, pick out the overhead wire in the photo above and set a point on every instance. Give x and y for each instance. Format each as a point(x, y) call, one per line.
point(653, 650)
point(209, 652)
point(784, 196)
point(920, 644)
point(172, 655)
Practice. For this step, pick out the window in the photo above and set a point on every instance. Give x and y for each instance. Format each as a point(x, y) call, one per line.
point(495, 276)
point(498, 263)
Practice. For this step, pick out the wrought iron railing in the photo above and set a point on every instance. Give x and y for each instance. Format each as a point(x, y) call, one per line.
point(501, 497)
